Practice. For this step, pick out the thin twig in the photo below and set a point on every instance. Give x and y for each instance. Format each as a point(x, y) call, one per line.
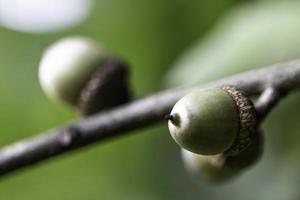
point(266, 102)
point(137, 114)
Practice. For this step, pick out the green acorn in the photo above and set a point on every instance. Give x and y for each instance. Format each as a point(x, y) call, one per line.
point(221, 167)
point(76, 71)
point(213, 121)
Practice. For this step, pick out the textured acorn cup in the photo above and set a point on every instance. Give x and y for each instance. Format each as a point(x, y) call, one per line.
point(76, 71)
point(107, 87)
point(221, 167)
point(213, 121)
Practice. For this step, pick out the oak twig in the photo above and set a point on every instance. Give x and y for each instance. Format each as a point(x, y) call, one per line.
point(266, 102)
point(141, 113)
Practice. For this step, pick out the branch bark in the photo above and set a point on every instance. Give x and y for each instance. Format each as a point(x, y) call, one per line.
point(138, 114)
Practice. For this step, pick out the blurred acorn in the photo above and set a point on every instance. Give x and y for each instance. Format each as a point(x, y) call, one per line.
point(76, 71)
point(213, 121)
point(221, 167)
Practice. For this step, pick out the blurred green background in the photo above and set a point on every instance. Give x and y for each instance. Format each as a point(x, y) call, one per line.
point(167, 43)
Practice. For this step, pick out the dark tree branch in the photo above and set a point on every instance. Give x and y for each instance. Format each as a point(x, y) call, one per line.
point(138, 114)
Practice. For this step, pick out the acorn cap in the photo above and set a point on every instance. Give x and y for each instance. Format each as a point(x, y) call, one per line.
point(107, 87)
point(213, 121)
point(222, 167)
point(247, 120)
